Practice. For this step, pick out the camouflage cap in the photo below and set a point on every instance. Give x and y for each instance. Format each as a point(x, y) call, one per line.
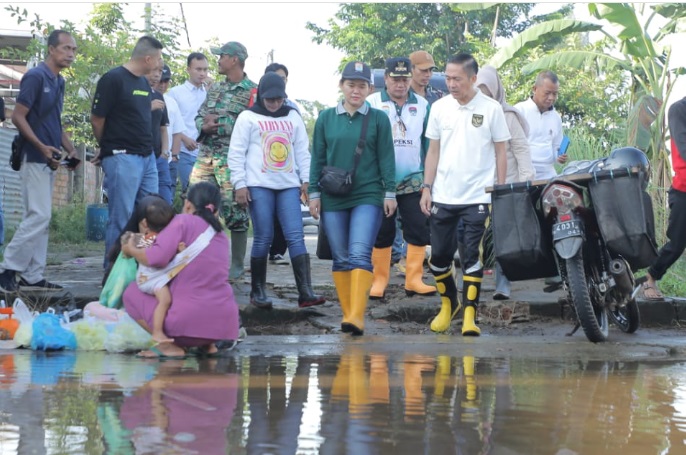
point(232, 48)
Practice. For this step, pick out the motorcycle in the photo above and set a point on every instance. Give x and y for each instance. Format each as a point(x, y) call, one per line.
point(599, 219)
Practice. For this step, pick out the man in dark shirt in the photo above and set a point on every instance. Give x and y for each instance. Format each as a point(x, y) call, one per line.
point(160, 140)
point(121, 117)
point(676, 229)
point(37, 116)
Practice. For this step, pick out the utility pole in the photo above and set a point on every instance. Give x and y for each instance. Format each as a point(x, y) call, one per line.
point(148, 18)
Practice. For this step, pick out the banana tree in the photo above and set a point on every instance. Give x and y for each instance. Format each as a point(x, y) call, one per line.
point(645, 58)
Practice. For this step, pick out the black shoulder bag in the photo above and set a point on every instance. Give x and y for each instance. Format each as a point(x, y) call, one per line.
point(339, 182)
point(18, 141)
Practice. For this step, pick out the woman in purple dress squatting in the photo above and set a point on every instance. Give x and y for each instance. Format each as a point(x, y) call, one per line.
point(203, 308)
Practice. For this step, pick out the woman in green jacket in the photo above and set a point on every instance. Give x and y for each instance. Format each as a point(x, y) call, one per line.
point(351, 222)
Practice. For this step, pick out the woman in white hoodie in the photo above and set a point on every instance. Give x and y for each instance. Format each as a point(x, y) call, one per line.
point(269, 161)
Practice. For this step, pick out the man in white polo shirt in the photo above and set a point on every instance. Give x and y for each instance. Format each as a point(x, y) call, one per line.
point(468, 135)
point(545, 125)
point(189, 96)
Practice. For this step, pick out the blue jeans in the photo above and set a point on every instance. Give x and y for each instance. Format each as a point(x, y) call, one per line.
point(351, 234)
point(173, 175)
point(164, 180)
point(285, 204)
point(185, 167)
point(128, 178)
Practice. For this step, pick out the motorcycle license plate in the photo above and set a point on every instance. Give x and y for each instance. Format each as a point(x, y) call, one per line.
point(567, 229)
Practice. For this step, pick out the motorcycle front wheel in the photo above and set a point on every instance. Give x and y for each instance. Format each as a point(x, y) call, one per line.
point(593, 318)
point(627, 318)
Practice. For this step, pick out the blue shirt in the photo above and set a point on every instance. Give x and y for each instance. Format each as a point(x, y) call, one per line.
point(42, 92)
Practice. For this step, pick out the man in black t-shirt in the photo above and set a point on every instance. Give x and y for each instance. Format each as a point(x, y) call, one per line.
point(121, 118)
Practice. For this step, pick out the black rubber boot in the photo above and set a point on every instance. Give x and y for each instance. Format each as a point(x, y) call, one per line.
point(258, 282)
point(303, 280)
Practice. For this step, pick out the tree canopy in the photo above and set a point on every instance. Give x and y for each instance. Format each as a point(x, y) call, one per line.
point(372, 32)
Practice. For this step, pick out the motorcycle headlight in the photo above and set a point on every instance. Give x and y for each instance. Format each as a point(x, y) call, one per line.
point(563, 198)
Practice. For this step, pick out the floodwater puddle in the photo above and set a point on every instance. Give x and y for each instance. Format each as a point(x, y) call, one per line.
point(357, 402)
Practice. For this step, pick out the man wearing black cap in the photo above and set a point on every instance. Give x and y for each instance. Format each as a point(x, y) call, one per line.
point(408, 114)
point(175, 129)
point(215, 120)
point(160, 120)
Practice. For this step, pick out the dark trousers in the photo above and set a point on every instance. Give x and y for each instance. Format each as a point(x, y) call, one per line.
point(444, 223)
point(676, 233)
point(279, 243)
point(415, 224)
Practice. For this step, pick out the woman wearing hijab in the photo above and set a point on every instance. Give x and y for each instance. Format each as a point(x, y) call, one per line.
point(519, 166)
point(352, 221)
point(269, 161)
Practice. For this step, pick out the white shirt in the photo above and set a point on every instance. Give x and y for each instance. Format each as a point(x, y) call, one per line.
point(176, 124)
point(407, 141)
point(189, 99)
point(545, 136)
point(269, 152)
point(467, 134)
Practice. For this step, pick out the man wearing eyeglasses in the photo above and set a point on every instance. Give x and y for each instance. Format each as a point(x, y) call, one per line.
point(215, 120)
point(408, 114)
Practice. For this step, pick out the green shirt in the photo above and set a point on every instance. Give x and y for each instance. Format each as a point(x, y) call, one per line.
point(336, 134)
point(225, 99)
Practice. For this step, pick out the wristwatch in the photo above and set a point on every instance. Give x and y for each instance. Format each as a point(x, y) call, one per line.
point(425, 185)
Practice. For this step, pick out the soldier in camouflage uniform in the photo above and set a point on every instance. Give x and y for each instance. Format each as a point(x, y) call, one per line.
point(215, 119)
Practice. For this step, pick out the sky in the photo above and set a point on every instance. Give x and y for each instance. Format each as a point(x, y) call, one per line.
point(261, 27)
point(265, 27)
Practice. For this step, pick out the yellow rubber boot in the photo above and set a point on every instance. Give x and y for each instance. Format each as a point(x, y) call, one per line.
point(450, 305)
point(471, 287)
point(342, 282)
point(470, 403)
point(379, 383)
point(360, 283)
point(381, 261)
point(442, 374)
point(358, 383)
point(414, 268)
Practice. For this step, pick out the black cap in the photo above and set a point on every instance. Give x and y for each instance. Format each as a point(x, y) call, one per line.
point(357, 70)
point(272, 86)
point(399, 67)
point(166, 74)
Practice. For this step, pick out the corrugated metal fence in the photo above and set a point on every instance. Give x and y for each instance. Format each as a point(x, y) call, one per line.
point(84, 184)
point(9, 181)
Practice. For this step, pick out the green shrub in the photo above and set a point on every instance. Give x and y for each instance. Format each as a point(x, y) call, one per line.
point(68, 224)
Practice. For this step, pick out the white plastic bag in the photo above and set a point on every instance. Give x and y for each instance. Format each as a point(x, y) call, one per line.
point(25, 331)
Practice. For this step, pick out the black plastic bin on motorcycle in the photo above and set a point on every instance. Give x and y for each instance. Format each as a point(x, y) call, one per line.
point(625, 216)
point(523, 244)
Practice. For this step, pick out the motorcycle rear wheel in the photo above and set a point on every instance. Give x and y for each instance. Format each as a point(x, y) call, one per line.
point(627, 318)
point(593, 318)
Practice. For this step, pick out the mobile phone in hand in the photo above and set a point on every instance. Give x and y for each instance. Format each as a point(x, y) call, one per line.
point(71, 163)
point(564, 145)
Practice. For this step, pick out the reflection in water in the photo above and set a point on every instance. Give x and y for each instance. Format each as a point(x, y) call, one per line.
point(359, 402)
